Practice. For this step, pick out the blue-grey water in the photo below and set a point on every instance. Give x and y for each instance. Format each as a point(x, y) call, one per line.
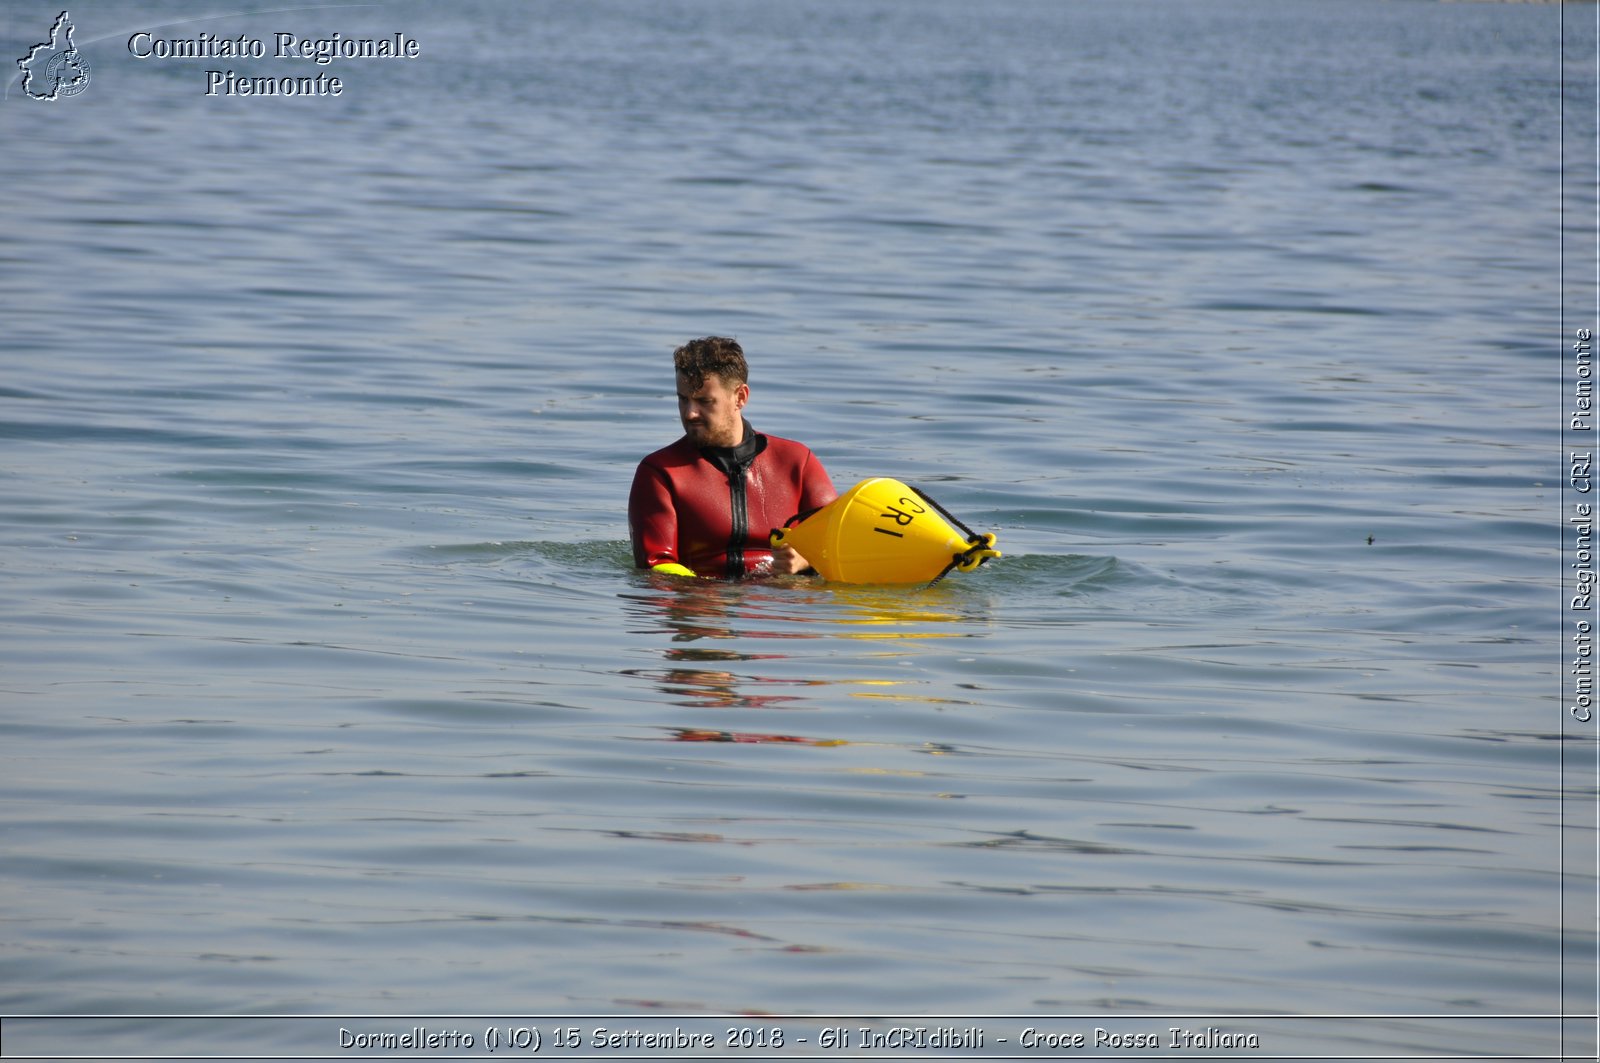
point(326, 684)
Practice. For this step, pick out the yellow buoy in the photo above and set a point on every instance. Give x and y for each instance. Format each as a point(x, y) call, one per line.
point(882, 531)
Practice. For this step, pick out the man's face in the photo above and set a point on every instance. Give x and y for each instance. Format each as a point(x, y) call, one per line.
point(710, 412)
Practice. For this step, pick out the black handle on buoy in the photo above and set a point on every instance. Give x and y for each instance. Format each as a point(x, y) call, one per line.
point(980, 548)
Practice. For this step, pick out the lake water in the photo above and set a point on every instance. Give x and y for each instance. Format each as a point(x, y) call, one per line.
point(326, 684)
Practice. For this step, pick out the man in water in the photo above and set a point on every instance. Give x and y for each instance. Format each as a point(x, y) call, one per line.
point(706, 504)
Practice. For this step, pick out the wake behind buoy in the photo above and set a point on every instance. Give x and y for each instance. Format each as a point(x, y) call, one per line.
point(882, 531)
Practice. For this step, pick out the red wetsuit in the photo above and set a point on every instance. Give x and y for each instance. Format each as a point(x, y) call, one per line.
point(712, 510)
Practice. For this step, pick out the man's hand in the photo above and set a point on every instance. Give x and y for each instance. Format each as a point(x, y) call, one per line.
point(786, 561)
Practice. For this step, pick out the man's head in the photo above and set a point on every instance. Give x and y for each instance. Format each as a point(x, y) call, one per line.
point(714, 355)
point(713, 387)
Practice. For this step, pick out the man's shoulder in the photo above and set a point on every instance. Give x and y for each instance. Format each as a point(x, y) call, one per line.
point(682, 452)
point(778, 446)
point(677, 453)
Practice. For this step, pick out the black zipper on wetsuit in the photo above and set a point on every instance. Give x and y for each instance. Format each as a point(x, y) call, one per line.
point(735, 462)
point(739, 505)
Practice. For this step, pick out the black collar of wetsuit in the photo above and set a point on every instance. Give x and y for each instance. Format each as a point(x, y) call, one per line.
point(735, 459)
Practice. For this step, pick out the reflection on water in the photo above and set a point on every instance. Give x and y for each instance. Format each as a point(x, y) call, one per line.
point(689, 609)
point(923, 612)
point(700, 734)
point(717, 688)
point(758, 612)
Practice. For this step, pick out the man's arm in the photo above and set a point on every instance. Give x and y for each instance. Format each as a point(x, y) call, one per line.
point(653, 523)
point(816, 490)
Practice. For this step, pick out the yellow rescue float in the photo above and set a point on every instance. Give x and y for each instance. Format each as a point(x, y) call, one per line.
point(883, 531)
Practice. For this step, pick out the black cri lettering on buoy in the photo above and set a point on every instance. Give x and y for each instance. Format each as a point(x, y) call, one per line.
point(900, 518)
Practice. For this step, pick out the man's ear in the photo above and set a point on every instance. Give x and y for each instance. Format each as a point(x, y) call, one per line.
point(741, 395)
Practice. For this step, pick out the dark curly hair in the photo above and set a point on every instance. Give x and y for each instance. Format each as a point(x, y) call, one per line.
point(718, 355)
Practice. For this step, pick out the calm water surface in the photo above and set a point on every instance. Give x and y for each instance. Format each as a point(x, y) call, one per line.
point(327, 682)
